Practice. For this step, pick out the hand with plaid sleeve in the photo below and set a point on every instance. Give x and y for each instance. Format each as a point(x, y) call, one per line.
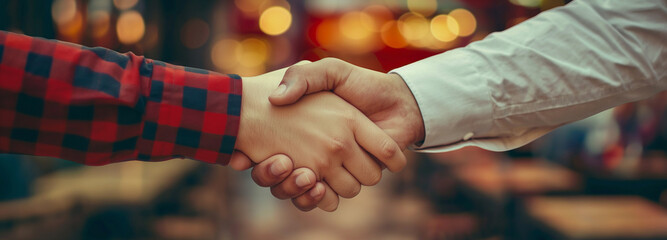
point(96, 106)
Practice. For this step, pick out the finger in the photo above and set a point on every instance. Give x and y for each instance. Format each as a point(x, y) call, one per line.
point(295, 184)
point(272, 171)
point(364, 168)
point(343, 183)
point(239, 161)
point(330, 199)
point(378, 143)
point(309, 200)
point(325, 74)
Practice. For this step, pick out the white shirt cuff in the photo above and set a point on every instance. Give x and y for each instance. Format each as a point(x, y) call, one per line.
point(452, 96)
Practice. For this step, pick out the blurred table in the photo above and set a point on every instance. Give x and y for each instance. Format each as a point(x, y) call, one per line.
point(132, 182)
point(495, 177)
point(599, 217)
point(63, 201)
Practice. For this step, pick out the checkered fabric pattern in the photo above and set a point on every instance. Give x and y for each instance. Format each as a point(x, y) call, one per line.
point(96, 106)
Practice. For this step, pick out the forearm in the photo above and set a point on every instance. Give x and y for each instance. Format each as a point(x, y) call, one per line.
point(96, 106)
point(561, 66)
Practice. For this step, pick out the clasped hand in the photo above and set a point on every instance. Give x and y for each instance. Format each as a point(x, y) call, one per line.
point(329, 141)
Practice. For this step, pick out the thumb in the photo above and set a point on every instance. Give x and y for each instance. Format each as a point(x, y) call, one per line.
point(289, 90)
point(302, 79)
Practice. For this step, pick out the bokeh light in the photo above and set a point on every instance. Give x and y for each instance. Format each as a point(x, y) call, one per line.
point(423, 7)
point(130, 27)
point(527, 3)
point(413, 26)
point(275, 20)
point(466, 21)
point(125, 4)
point(444, 28)
point(356, 25)
point(194, 33)
point(391, 36)
point(252, 52)
point(71, 30)
point(63, 11)
point(223, 54)
point(100, 23)
point(326, 33)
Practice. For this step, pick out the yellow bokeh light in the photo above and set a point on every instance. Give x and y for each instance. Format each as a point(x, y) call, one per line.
point(444, 28)
point(391, 36)
point(423, 7)
point(527, 3)
point(413, 26)
point(63, 11)
point(223, 54)
point(275, 20)
point(71, 30)
point(100, 23)
point(466, 21)
point(252, 52)
point(130, 27)
point(124, 4)
point(355, 25)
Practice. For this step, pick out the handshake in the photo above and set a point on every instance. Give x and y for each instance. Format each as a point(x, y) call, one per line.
point(317, 131)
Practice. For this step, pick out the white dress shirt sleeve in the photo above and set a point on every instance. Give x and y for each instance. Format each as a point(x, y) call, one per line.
point(561, 66)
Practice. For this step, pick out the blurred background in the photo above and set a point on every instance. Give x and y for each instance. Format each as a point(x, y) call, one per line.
point(604, 177)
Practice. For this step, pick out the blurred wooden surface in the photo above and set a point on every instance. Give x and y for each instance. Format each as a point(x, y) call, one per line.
point(600, 217)
point(132, 182)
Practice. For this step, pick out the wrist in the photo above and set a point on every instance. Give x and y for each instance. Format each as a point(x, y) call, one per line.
point(413, 116)
point(254, 106)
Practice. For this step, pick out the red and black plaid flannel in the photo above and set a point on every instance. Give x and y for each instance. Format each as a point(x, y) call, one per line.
point(96, 106)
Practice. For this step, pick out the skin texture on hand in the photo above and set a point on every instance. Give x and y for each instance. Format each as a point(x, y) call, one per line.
point(384, 98)
point(321, 132)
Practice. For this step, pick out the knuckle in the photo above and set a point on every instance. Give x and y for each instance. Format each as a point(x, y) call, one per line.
point(337, 146)
point(303, 62)
point(330, 60)
point(351, 192)
point(388, 150)
point(293, 70)
point(321, 166)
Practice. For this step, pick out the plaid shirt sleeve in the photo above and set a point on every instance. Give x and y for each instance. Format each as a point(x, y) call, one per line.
point(96, 106)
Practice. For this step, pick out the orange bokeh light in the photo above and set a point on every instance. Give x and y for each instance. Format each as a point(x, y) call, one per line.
point(391, 36)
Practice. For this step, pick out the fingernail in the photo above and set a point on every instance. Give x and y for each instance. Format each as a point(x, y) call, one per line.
point(278, 168)
point(280, 90)
point(316, 191)
point(303, 179)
